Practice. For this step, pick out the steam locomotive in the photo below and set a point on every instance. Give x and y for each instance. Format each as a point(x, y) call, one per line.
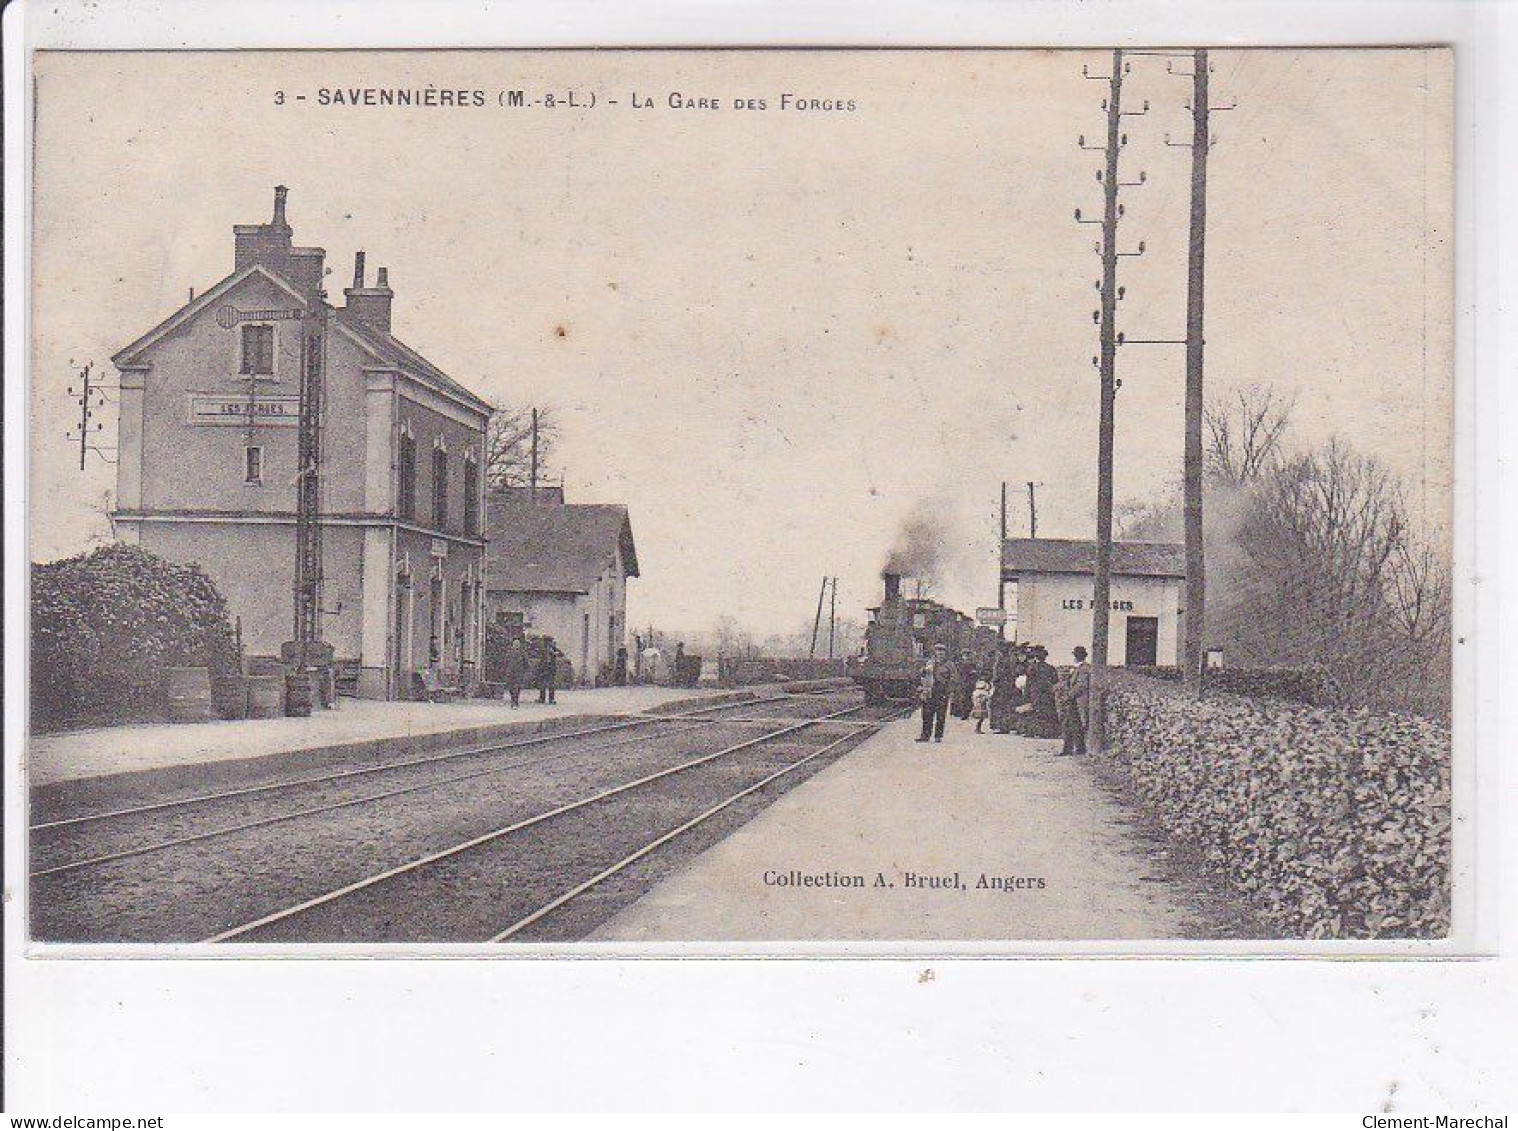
point(901, 633)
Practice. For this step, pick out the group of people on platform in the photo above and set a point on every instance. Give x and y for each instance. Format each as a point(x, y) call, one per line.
point(540, 664)
point(1015, 689)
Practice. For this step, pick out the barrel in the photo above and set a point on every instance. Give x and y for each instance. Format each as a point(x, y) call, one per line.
point(300, 694)
point(229, 695)
point(264, 696)
point(189, 694)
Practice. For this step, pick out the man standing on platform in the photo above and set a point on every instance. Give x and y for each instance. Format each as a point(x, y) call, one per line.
point(548, 670)
point(516, 669)
point(1075, 704)
point(964, 688)
point(939, 681)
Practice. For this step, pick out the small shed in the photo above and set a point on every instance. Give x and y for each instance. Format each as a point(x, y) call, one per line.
point(1054, 579)
point(560, 569)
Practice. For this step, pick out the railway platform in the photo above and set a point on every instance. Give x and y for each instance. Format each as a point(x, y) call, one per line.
point(100, 751)
point(982, 837)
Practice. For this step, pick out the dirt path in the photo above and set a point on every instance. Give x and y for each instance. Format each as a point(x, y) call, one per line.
point(984, 837)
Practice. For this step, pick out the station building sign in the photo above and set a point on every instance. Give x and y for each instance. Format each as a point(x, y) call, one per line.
point(229, 408)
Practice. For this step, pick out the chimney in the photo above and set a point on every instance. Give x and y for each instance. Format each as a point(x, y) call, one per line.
point(271, 245)
point(892, 585)
point(370, 305)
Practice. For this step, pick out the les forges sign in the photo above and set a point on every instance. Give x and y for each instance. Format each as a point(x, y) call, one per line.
point(218, 408)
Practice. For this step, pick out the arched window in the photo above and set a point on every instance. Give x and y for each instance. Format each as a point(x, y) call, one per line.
point(405, 503)
point(440, 487)
point(471, 494)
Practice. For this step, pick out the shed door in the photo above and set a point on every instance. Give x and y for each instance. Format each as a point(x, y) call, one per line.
point(1142, 648)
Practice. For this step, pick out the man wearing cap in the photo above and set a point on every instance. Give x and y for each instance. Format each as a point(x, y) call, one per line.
point(939, 680)
point(1075, 704)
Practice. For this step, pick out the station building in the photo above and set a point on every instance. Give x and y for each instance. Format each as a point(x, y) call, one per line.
point(561, 569)
point(1054, 579)
point(207, 473)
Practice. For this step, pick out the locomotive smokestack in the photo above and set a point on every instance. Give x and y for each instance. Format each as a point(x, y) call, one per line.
point(892, 585)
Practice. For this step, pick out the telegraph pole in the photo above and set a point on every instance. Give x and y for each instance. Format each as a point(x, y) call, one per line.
point(1196, 576)
point(817, 620)
point(1101, 597)
point(1032, 512)
point(1001, 549)
point(532, 477)
point(832, 617)
point(308, 526)
point(91, 396)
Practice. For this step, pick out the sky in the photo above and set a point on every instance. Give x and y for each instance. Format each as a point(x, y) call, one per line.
point(776, 334)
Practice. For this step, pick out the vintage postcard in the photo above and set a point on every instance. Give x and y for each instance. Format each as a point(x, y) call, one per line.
point(768, 501)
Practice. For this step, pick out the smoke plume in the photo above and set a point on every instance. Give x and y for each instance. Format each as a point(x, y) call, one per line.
point(924, 543)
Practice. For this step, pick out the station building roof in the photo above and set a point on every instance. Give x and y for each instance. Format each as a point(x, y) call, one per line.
point(1073, 555)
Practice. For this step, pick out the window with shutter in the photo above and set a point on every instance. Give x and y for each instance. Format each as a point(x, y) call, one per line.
point(471, 496)
point(405, 503)
point(439, 488)
point(258, 350)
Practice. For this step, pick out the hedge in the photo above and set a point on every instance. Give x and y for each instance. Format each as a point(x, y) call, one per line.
point(1312, 685)
point(1332, 823)
point(106, 624)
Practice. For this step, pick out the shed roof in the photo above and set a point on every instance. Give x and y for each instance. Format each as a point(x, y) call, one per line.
point(537, 547)
point(1073, 555)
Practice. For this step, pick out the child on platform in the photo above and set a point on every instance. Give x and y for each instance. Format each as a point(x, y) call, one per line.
point(979, 699)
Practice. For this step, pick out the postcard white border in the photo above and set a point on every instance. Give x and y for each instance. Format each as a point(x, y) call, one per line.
point(57, 1006)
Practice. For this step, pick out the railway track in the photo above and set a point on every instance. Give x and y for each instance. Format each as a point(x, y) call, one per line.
point(184, 868)
point(458, 893)
point(56, 844)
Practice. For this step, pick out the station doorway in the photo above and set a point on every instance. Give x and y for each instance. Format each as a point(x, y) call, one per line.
point(1141, 649)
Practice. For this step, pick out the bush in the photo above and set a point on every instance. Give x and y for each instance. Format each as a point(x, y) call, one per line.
point(106, 624)
point(1332, 823)
point(1313, 686)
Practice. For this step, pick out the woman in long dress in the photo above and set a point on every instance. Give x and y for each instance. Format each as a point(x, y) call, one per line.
point(1003, 690)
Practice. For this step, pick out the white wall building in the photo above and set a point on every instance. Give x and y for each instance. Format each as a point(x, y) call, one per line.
point(1054, 579)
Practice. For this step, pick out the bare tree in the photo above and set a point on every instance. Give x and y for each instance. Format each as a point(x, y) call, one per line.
point(1418, 593)
point(1157, 519)
point(1245, 432)
point(1327, 573)
point(508, 446)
